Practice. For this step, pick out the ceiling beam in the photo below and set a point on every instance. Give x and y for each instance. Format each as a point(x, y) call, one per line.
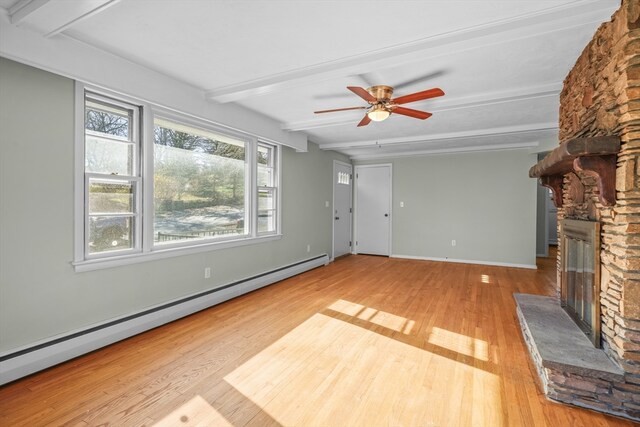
point(443, 104)
point(424, 152)
point(21, 10)
point(51, 17)
point(497, 131)
point(73, 21)
point(575, 14)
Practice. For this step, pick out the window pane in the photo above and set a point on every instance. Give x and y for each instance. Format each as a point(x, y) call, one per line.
point(109, 157)
point(199, 184)
point(266, 211)
point(110, 197)
point(108, 119)
point(343, 178)
point(265, 176)
point(110, 233)
point(266, 221)
point(266, 199)
point(264, 155)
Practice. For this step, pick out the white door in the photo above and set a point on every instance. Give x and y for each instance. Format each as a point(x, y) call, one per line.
point(342, 185)
point(373, 209)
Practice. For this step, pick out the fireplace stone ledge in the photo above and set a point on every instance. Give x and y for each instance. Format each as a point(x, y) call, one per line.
point(570, 368)
point(560, 342)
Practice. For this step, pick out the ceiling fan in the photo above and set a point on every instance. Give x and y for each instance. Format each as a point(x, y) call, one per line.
point(381, 105)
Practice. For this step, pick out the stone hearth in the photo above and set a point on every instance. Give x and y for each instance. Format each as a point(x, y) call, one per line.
point(570, 368)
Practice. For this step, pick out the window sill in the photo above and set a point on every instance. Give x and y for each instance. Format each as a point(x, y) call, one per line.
point(116, 261)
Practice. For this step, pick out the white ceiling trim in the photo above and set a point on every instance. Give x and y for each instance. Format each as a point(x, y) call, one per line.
point(51, 17)
point(21, 10)
point(534, 24)
point(497, 131)
point(81, 18)
point(490, 147)
point(449, 104)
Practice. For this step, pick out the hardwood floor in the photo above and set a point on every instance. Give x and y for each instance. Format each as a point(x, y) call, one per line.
point(365, 341)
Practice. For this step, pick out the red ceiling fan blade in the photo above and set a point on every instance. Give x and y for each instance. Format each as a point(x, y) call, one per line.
point(412, 113)
point(362, 93)
point(418, 96)
point(365, 121)
point(340, 109)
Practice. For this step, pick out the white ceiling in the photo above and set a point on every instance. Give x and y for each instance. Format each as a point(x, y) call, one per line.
point(500, 63)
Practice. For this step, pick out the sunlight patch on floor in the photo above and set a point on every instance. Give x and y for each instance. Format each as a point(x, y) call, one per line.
point(378, 317)
point(330, 372)
point(485, 278)
point(460, 343)
point(196, 412)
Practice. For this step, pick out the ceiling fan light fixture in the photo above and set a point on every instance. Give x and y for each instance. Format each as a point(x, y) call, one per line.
point(378, 113)
point(381, 105)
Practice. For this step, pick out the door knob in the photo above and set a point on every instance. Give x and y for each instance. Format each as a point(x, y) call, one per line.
point(337, 217)
point(386, 214)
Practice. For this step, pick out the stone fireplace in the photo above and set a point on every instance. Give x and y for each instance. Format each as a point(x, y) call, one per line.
point(594, 175)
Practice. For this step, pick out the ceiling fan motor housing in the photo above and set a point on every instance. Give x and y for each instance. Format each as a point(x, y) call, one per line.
point(381, 93)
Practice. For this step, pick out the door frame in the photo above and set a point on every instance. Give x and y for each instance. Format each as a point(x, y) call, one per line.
point(547, 200)
point(355, 204)
point(544, 212)
point(333, 208)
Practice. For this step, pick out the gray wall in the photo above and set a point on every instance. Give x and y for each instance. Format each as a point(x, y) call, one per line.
point(40, 294)
point(485, 201)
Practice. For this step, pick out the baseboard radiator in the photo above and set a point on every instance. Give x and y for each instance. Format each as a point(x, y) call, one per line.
point(18, 363)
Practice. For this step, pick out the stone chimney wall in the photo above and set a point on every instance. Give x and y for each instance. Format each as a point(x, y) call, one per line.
point(601, 96)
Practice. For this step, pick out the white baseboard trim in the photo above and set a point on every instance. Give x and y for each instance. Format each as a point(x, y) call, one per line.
point(467, 261)
point(21, 362)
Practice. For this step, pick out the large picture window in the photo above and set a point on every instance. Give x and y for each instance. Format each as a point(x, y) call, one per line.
point(200, 183)
point(154, 183)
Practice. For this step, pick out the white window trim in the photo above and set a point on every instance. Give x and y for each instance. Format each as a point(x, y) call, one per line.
point(148, 251)
point(276, 186)
point(135, 178)
point(250, 179)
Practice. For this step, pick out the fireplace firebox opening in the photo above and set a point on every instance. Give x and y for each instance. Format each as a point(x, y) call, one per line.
point(580, 275)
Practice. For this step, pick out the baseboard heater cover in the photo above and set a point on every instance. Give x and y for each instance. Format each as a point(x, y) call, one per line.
point(22, 362)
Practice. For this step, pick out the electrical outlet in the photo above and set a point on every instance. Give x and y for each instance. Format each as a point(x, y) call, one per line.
point(326, 204)
point(308, 248)
point(453, 243)
point(207, 273)
point(402, 204)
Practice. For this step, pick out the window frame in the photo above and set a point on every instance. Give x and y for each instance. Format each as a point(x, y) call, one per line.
point(135, 139)
point(273, 188)
point(144, 247)
point(195, 123)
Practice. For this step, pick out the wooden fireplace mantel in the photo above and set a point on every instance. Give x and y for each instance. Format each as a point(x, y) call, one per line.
point(595, 156)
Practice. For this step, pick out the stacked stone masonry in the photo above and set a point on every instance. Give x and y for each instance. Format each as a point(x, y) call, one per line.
point(602, 394)
point(601, 96)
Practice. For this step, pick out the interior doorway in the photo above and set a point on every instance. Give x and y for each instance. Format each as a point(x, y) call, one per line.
point(373, 209)
point(546, 219)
